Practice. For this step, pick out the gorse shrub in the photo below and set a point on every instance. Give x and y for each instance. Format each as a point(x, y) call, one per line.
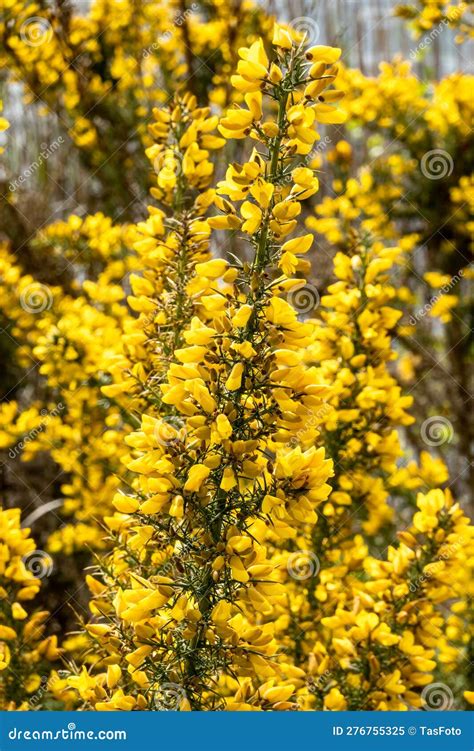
point(221, 410)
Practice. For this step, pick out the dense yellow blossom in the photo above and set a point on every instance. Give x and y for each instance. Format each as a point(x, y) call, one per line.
point(26, 655)
point(424, 15)
point(216, 471)
point(242, 359)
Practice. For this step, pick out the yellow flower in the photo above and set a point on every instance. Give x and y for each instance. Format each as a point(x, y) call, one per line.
point(252, 215)
point(335, 701)
point(234, 379)
point(321, 53)
point(281, 37)
point(197, 475)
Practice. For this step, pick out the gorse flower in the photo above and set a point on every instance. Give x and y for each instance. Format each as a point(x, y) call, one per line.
point(104, 70)
point(415, 176)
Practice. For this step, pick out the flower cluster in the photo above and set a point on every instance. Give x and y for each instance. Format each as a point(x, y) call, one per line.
point(103, 71)
point(26, 654)
point(415, 193)
point(378, 648)
point(348, 628)
point(424, 16)
point(212, 379)
point(69, 338)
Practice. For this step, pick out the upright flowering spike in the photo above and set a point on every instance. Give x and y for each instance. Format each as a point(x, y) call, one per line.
point(197, 610)
point(170, 244)
point(333, 584)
